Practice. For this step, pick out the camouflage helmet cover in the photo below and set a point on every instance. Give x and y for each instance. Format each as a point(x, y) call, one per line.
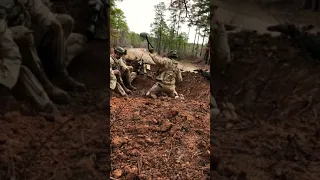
point(120, 50)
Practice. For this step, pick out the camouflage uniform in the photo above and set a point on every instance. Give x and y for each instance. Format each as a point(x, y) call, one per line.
point(167, 78)
point(15, 76)
point(51, 34)
point(76, 45)
point(125, 71)
point(118, 68)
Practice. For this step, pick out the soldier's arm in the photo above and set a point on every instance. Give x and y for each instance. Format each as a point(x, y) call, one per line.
point(160, 62)
point(123, 65)
point(40, 13)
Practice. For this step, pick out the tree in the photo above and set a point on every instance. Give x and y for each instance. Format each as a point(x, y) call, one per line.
point(159, 26)
point(118, 24)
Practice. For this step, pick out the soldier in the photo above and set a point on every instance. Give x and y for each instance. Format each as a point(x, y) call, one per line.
point(169, 74)
point(51, 34)
point(15, 76)
point(121, 70)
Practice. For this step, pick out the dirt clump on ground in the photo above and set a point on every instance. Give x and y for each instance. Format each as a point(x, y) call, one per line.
point(275, 88)
point(72, 146)
point(161, 138)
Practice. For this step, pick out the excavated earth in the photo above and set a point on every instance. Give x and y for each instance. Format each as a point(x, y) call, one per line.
point(275, 88)
point(161, 138)
point(73, 146)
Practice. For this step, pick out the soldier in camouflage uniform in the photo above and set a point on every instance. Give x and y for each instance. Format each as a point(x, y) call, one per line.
point(14, 75)
point(51, 34)
point(121, 70)
point(169, 74)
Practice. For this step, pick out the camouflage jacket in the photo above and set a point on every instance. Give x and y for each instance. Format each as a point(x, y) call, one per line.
point(117, 64)
point(168, 74)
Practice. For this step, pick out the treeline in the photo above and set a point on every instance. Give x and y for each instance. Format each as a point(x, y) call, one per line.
point(167, 34)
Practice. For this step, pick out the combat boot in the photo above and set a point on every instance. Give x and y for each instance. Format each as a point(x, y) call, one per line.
point(56, 94)
point(29, 89)
point(128, 91)
point(120, 90)
point(120, 82)
point(71, 84)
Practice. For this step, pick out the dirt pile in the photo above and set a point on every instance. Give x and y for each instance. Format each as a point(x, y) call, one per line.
point(275, 89)
point(161, 138)
point(73, 146)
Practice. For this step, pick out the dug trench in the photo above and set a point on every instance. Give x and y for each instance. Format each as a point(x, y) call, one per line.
point(72, 146)
point(275, 88)
point(161, 138)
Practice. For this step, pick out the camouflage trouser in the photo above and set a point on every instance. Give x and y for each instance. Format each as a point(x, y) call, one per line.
point(129, 74)
point(13, 75)
point(10, 57)
point(133, 76)
point(58, 40)
point(75, 46)
point(114, 85)
point(158, 87)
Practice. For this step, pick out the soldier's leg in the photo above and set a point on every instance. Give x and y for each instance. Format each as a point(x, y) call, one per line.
point(67, 24)
point(154, 90)
point(120, 81)
point(133, 76)
point(10, 57)
point(76, 45)
point(127, 78)
point(120, 90)
point(29, 88)
point(170, 91)
point(24, 38)
point(56, 45)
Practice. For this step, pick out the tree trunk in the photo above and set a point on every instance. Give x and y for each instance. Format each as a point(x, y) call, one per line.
point(197, 46)
point(194, 42)
point(202, 45)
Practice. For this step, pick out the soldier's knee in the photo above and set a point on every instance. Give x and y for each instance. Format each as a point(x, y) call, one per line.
point(66, 21)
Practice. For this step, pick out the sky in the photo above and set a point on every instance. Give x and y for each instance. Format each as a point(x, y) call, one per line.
point(140, 14)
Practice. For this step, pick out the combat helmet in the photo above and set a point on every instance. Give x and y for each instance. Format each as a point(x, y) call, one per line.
point(119, 50)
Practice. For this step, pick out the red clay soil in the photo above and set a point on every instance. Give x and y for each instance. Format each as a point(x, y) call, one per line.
point(275, 89)
point(73, 146)
point(161, 138)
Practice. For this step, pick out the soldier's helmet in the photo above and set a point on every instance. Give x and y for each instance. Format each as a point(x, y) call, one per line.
point(119, 50)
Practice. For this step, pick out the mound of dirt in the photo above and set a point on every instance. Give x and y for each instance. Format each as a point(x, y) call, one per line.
point(275, 89)
point(73, 146)
point(161, 138)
